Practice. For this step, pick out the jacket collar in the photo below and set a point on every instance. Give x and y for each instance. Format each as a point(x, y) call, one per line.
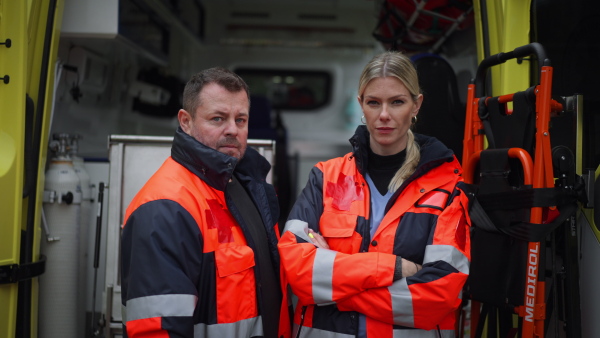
point(214, 167)
point(433, 151)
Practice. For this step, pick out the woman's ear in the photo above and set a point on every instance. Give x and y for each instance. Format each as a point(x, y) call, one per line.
point(185, 120)
point(418, 103)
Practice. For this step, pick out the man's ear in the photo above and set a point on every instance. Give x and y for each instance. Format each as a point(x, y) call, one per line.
point(185, 120)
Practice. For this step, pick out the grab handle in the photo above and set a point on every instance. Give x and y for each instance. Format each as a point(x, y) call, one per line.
point(533, 48)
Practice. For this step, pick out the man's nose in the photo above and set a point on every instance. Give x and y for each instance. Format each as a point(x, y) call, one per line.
point(231, 128)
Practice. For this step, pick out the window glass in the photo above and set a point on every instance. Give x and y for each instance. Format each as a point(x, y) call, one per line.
point(289, 89)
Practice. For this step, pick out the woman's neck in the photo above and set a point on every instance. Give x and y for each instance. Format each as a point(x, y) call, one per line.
point(383, 168)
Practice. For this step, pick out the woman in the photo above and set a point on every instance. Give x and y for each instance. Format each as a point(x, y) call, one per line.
point(377, 244)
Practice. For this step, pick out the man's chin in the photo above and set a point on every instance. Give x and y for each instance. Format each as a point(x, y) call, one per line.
point(233, 153)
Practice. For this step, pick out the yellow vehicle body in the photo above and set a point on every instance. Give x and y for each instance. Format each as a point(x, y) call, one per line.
point(26, 66)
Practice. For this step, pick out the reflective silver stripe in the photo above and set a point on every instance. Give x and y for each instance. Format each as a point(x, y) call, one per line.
point(159, 306)
point(402, 307)
point(397, 333)
point(298, 228)
point(448, 254)
point(317, 333)
point(404, 333)
point(322, 287)
point(322, 266)
point(244, 328)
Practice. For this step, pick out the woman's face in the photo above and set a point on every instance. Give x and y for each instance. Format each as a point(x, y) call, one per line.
point(388, 108)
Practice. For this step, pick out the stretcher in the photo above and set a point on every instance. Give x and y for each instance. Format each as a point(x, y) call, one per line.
point(523, 189)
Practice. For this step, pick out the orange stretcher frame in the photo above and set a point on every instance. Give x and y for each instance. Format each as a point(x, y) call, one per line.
point(537, 171)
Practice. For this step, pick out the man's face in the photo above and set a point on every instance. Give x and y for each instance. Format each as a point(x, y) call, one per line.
point(220, 121)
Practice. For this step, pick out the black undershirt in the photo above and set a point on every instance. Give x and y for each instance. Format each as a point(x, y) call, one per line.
point(383, 168)
point(269, 293)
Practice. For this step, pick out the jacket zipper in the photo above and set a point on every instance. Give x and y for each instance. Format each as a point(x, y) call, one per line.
point(301, 321)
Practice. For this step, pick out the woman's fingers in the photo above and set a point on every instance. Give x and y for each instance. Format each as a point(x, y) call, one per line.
point(317, 239)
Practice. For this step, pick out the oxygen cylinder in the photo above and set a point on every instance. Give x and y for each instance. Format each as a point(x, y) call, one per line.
point(85, 221)
point(61, 211)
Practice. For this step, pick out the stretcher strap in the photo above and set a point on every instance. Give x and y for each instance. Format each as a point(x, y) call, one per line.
point(525, 231)
point(505, 128)
point(501, 203)
point(527, 198)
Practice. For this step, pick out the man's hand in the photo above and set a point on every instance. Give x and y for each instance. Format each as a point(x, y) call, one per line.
point(409, 268)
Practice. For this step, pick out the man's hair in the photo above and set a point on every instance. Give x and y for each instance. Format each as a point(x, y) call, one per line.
point(221, 76)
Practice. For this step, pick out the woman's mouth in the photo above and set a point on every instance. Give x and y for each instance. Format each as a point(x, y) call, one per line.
point(385, 130)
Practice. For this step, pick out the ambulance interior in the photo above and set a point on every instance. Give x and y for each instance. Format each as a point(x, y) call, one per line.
point(122, 65)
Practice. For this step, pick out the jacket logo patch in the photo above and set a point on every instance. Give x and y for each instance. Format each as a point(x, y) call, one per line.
point(435, 199)
point(344, 192)
point(220, 219)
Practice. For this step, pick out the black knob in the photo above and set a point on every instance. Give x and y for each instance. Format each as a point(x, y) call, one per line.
point(68, 197)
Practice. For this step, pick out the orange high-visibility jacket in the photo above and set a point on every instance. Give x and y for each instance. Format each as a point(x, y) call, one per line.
point(426, 221)
point(187, 267)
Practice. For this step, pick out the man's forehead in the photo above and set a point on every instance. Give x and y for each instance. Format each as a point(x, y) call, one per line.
point(224, 106)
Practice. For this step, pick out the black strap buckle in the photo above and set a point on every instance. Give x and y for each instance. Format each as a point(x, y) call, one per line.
point(15, 273)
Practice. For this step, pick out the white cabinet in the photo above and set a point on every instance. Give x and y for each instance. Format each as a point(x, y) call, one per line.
point(90, 18)
point(144, 25)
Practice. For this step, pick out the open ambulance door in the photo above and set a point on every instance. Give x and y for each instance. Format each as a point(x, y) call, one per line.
point(28, 49)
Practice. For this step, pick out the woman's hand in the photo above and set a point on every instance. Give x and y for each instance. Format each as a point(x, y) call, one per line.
point(408, 268)
point(317, 239)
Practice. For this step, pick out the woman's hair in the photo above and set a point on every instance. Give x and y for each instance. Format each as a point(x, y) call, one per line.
point(398, 65)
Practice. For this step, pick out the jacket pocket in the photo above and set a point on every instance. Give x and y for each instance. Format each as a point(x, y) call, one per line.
point(339, 230)
point(235, 284)
point(233, 259)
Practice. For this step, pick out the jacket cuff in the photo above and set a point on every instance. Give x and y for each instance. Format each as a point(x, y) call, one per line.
point(386, 268)
point(398, 269)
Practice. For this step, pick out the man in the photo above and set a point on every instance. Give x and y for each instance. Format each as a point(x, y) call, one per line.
point(199, 244)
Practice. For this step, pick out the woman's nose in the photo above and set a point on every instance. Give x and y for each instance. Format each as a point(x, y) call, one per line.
point(384, 115)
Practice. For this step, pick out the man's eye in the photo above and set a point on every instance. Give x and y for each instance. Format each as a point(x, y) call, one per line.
point(217, 119)
point(241, 121)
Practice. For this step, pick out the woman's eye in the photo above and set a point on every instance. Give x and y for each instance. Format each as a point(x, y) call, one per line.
point(397, 102)
point(372, 103)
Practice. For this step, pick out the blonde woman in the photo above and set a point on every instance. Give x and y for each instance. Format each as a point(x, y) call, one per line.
point(377, 244)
